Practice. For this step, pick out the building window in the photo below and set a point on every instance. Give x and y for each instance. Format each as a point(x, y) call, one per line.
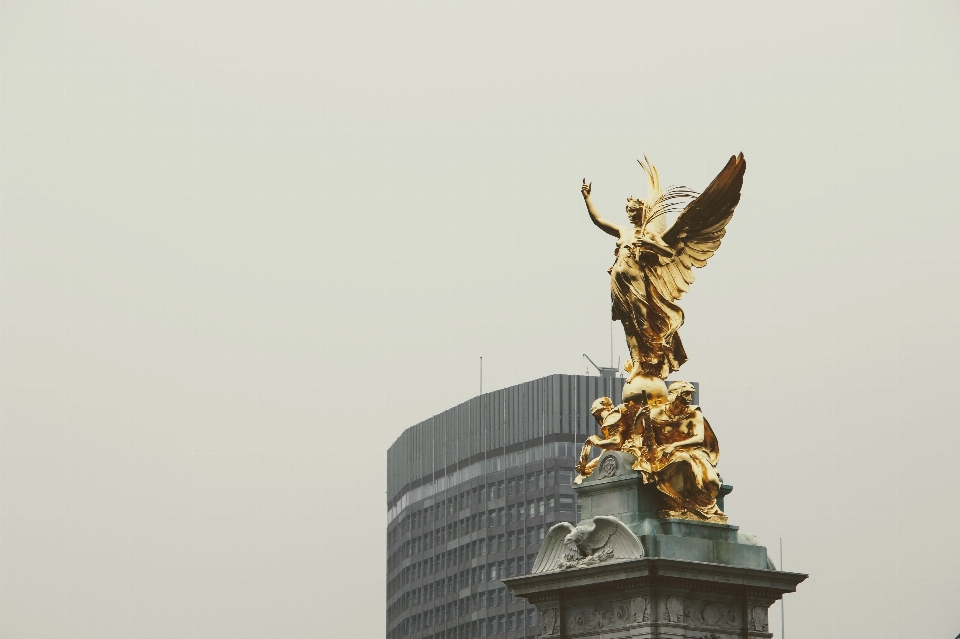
point(511, 488)
point(566, 503)
point(540, 506)
point(550, 506)
point(540, 532)
point(540, 479)
point(520, 565)
point(551, 478)
point(565, 477)
point(511, 541)
point(512, 513)
point(501, 546)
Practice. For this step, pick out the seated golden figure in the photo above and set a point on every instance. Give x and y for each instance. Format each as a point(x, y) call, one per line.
point(616, 429)
point(675, 448)
point(680, 452)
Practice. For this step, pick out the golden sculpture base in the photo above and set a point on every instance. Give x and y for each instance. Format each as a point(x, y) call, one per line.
point(718, 518)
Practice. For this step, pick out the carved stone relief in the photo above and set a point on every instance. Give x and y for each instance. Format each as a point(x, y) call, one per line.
point(609, 468)
point(640, 609)
point(673, 609)
point(551, 622)
point(758, 618)
point(604, 615)
point(712, 613)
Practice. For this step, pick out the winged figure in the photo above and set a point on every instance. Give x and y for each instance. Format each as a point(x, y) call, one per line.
point(654, 265)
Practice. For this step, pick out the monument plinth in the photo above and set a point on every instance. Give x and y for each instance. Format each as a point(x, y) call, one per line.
point(622, 572)
point(653, 554)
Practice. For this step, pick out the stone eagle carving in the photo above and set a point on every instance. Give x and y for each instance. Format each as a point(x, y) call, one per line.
point(591, 542)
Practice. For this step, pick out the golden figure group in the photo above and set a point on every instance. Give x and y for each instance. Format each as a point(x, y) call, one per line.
point(673, 444)
point(674, 447)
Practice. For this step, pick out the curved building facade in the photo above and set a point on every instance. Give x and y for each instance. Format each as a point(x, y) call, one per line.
point(470, 495)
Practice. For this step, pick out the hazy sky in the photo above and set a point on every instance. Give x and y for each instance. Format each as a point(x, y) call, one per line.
point(245, 244)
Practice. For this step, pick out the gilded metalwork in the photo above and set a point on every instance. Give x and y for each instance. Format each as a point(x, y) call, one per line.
point(616, 427)
point(674, 447)
point(654, 265)
point(673, 444)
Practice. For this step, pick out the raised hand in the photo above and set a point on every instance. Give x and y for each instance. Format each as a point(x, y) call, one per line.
point(585, 189)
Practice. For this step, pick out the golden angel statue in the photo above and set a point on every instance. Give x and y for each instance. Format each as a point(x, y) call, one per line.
point(654, 265)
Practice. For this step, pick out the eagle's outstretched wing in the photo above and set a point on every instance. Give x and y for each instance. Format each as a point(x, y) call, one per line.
point(696, 234)
point(604, 527)
point(552, 550)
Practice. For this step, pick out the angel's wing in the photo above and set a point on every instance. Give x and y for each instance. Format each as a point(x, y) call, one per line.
point(552, 548)
point(696, 234)
point(654, 197)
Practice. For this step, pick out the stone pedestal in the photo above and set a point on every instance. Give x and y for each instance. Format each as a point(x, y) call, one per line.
point(660, 578)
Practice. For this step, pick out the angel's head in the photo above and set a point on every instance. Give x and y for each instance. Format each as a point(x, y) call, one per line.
point(635, 209)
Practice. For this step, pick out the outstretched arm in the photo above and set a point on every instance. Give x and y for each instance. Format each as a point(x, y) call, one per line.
point(606, 227)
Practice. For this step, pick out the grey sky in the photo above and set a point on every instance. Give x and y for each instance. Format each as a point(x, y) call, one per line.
point(239, 239)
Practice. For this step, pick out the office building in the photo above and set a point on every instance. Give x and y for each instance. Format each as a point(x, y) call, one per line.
point(470, 495)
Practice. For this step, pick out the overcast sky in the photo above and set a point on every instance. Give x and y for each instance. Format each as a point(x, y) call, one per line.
point(245, 244)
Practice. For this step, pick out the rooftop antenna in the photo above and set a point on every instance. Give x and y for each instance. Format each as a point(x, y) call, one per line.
point(783, 620)
point(605, 371)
